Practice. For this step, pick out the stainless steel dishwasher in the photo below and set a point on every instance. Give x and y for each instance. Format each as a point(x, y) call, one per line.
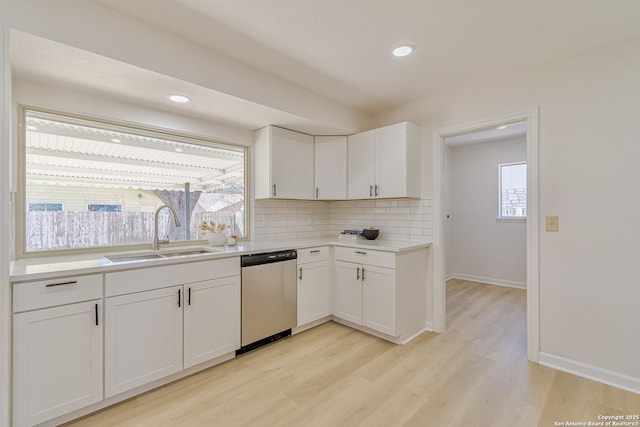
point(269, 298)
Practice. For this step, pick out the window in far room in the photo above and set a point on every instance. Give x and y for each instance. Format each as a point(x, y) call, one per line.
point(512, 187)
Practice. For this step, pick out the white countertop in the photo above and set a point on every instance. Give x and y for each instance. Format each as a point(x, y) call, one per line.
point(52, 267)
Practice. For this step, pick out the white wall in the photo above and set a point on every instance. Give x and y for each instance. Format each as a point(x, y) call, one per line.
point(478, 246)
point(98, 29)
point(588, 153)
point(5, 226)
point(75, 100)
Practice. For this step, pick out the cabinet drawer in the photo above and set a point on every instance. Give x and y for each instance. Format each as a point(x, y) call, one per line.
point(49, 293)
point(366, 256)
point(145, 279)
point(313, 254)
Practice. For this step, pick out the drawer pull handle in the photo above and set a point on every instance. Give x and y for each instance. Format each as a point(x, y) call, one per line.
point(300, 276)
point(97, 322)
point(315, 251)
point(361, 252)
point(358, 274)
point(189, 296)
point(71, 282)
point(375, 193)
point(363, 274)
point(371, 191)
point(274, 190)
point(179, 298)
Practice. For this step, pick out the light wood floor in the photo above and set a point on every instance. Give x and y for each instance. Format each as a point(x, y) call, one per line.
point(476, 374)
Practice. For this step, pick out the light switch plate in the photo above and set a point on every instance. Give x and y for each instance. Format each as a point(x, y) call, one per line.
point(551, 223)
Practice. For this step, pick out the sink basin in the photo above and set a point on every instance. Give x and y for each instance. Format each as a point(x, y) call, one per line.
point(159, 255)
point(184, 252)
point(138, 257)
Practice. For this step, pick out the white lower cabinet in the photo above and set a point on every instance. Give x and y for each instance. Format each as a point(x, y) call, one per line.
point(366, 295)
point(347, 292)
point(57, 361)
point(382, 291)
point(211, 319)
point(379, 299)
point(153, 333)
point(81, 339)
point(314, 285)
point(314, 291)
point(143, 338)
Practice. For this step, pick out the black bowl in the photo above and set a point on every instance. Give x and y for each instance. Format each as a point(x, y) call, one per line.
point(370, 234)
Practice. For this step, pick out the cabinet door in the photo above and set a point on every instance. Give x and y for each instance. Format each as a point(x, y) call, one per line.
point(379, 299)
point(291, 164)
point(314, 291)
point(211, 319)
point(331, 167)
point(360, 165)
point(143, 338)
point(347, 302)
point(391, 161)
point(57, 361)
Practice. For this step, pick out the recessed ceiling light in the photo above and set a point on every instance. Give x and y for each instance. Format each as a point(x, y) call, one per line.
point(31, 127)
point(177, 150)
point(403, 50)
point(115, 140)
point(501, 127)
point(179, 98)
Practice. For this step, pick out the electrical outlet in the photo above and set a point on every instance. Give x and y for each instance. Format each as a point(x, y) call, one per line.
point(551, 223)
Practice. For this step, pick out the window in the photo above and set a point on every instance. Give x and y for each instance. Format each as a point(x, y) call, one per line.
point(104, 208)
point(45, 207)
point(512, 190)
point(111, 179)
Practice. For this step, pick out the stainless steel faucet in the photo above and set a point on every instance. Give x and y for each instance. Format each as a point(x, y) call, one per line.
point(156, 241)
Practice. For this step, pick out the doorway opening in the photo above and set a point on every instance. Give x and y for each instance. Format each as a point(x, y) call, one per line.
point(529, 120)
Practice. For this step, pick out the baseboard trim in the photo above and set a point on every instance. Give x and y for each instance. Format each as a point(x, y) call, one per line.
point(310, 325)
point(591, 372)
point(488, 280)
point(428, 326)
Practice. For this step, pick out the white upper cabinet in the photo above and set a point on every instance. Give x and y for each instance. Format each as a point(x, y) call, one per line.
point(385, 162)
point(360, 159)
point(379, 163)
point(283, 164)
point(331, 167)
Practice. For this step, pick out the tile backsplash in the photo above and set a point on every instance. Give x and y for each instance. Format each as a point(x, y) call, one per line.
point(290, 219)
point(397, 219)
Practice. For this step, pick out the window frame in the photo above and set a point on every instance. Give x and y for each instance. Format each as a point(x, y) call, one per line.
point(20, 208)
point(500, 217)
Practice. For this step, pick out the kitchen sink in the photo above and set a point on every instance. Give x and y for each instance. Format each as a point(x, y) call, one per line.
point(159, 255)
point(184, 252)
point(129, 257)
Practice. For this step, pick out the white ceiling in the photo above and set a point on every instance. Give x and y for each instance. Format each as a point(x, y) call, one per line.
point(39, 59)
point(341, 48)
point(511, 130)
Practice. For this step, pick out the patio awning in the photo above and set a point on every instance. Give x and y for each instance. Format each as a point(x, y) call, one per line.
point(71, 154)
